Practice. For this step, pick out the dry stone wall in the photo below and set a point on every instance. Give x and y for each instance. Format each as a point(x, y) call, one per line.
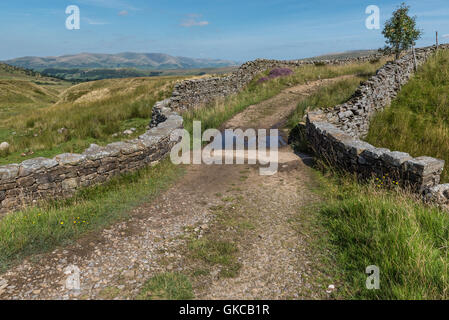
point(195, 93)
point(334, 134)
point(26, 183)
point(353, 117)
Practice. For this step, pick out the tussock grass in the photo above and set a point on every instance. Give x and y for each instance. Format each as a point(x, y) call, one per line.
point(37, 230)
point(167, 286)
point(216, 252)
point(367, 225)
point(418, 120)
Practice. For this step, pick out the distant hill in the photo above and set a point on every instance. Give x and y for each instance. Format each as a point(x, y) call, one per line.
point(344, 55)
point(81, 75)
point(147, 61)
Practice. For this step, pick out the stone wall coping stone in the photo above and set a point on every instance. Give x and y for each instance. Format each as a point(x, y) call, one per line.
point(71, 159)
point(30, 166)
point(396, 158)
point(375, 153)
point(425, 165)
point(9, 172)
point(356, 147)
point(127, 147)
point(95, 152)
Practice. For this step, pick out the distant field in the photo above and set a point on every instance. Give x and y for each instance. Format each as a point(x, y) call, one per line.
point(34, 108)
point(418, 120)
point(81, 75)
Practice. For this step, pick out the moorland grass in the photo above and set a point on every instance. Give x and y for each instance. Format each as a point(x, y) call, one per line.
point(367, 225)
point(418, 120)
point(90, 112)
point(40, 229)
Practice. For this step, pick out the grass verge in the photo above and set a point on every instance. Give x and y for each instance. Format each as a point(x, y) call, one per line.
point(38, 230)
point(367, 225)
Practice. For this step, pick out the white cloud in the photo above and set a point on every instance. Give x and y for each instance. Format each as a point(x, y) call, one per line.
point(193, 20)
point(94, 22)
point(445, 36)
point(123, 13)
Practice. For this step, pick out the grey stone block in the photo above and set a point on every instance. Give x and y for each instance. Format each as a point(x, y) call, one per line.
point(356, 147)
point(28, 167)
point(395, 158)
point(9, 172)
point(71, 159)
point(425, 165)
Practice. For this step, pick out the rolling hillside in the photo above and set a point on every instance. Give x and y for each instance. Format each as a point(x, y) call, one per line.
point(149, 61)
point(39, 120)
point(23, 90)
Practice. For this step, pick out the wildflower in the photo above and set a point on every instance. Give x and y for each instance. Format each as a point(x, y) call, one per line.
point(276, 73)
point(280, 72)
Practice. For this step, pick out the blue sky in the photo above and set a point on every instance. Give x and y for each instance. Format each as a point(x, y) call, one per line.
point(226, 29)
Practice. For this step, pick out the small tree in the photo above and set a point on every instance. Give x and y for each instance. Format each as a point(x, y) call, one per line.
point(400, 31)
